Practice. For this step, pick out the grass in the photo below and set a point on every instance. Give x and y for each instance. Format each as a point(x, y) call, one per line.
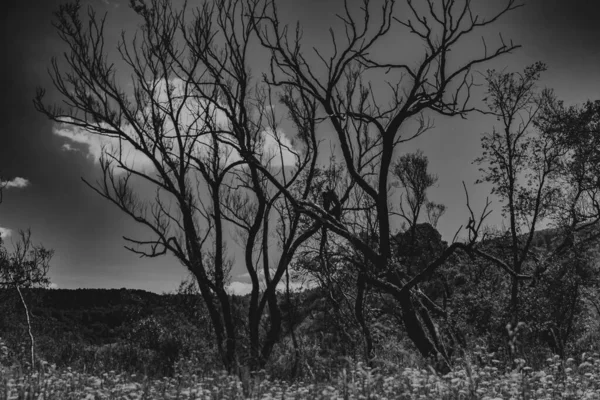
point(486, 378)
point(571, 379)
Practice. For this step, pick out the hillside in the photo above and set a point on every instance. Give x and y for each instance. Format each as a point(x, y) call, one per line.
point(128, 328)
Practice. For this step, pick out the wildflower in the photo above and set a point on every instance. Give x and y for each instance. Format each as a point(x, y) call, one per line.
point(584, 364)
point(96, 382)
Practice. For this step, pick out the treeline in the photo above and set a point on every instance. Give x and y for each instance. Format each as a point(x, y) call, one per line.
point(129, 330)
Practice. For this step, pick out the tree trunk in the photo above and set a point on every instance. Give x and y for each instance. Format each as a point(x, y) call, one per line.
point(230, 339)
point(215, 318)
point(514, 302)
point(31, 339)
point(254, 327)
point(358, 310)
point(196, 267)
point(220, 280)
point(274, 328)
point(416, 333)
point(433, 330)
point(292, 320)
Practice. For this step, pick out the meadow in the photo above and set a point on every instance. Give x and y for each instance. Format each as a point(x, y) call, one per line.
point(477, 376)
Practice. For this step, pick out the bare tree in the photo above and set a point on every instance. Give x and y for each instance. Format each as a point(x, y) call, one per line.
point(368, 131)
point(197, 119)
point(187, 128)
point(26, 266)
point(253, 212)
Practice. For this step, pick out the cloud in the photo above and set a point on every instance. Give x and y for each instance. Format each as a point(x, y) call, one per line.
point(280, 147)
point(75, 134)
point(242, 288)
point(192, 118)
point(17, 182)
point(68, 147)
point(5, 232)
point(96, 145)
point(239, 288)
point(53, 286)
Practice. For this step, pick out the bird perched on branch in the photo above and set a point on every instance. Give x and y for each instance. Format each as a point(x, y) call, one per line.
point(331, 203)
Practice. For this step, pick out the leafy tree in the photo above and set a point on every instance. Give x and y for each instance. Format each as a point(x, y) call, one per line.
point(413, 177)
point(571, 266)
point(542, 164)
point(521, 164)
point(576, 129)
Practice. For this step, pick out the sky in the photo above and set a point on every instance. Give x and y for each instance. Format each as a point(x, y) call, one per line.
point(48, 196)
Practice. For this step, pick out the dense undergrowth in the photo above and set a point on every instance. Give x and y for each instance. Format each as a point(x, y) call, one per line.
point(142, 359)
point(135, 345)
point(477, 376)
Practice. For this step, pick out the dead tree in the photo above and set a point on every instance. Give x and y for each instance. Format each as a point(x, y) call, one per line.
point(196, 117)
point(369, 124)
point(192, 119)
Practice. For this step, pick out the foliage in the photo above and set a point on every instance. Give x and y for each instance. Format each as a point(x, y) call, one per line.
point(128, 330)
point(27, 265)
point(414, 177)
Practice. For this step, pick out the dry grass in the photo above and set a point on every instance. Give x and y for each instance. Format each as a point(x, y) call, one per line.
point(486, 379)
